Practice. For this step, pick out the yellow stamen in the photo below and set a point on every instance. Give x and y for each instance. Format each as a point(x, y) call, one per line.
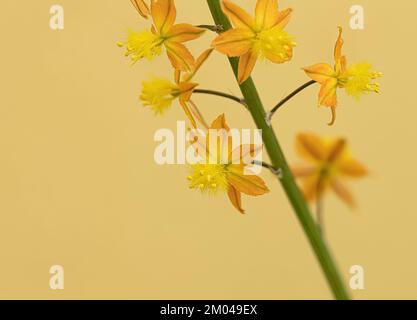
point(158, 94)
point(359, 79)
point(209, 177)
point(142, 44)
point(274, 42)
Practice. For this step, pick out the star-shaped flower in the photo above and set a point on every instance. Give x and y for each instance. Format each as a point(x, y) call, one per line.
point(159, 93)
point(329, 162)
point(356, 79)
point(163, 34)
point(254, 38)
point(223, 168)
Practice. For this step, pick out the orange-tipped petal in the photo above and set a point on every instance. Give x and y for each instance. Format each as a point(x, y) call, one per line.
point(343, 64)
point(202, 58)
point(234, 42)
point(352, 168)
point(184, 32)
point(320, 72)
point(186, 89)
point(200, 61)
point(248, 184)
point(235, 198)
point(177, 76)
point(239, 17)
point(197, 114)
point(343, 193)
point(310, 187)
point(180, 57)
point(246, 64)
point(334, 115)
point(188, 113)
point(283, 18)
point(311, 147)
point(327, 94)
point(220, 123)
point(141, 7)
point(164, 14)
point(303, 172)
point(337, 150)
point(338, 51)
point(266, 13)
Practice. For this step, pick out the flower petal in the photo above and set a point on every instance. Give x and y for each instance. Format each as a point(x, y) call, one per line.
point(177, 76)
point(310, 147)
point(352, 168)
point(248, 184)
point(188, 113)
point(239, 17)
point(235, 198)
point(343, 193)
point(338, 51)
point(336, 150)
point(283, 18)
point(186, 89)
point(141, 7)
point(246, 64)
point(220, 123)
point(234, 42)
point(303, 172)
point(200, 61)
point(319, 72)
point(327, 94)
point(164, 14)
point(184, 32)
point(197, 114)
point(180, 56)
point(266, 13)
point(309, 186)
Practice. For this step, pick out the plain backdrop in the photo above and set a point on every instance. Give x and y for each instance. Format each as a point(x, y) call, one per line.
point(79, 186)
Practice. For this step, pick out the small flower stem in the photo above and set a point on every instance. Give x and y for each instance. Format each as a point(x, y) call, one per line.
point(221, 94)
point(289, 97)
point(278, 160)
point(270, 167)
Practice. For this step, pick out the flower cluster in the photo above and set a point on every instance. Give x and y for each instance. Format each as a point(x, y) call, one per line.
point(262, 36)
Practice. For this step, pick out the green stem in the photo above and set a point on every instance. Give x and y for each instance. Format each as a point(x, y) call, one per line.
point(319, 204)
point(278, 160)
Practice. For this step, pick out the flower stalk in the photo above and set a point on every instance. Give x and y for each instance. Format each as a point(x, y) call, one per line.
point(288, 98)
point(221, 94)
point(278, 160)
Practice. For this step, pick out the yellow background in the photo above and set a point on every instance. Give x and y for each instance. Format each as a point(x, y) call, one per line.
point(79, 186)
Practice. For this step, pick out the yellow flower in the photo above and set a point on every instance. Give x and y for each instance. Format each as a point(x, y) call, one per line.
point(141, 7)
point(356, 79)
point(253, 38)
point(164, 33)
point(159, 93)
point(224, 169)
point(329, 163)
